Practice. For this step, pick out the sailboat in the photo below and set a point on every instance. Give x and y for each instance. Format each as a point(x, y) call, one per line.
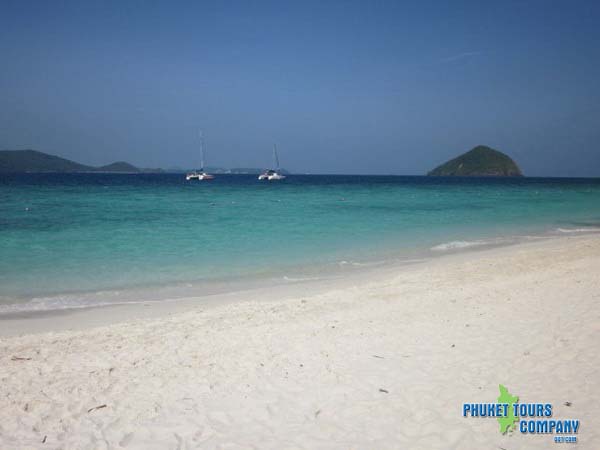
point(272, 174)
point(200, 175)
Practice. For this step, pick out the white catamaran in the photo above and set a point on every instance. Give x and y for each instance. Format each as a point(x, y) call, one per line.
point(200, 175)
point(272, 174)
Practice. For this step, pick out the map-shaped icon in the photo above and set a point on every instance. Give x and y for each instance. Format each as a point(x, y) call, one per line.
point(508, 422)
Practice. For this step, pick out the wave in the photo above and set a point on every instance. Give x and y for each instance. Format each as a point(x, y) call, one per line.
point(360, 264)
point(349, 263)
point(458, 245)
point(83, 300)
point(52, 304)
point(455, 245)
point(295, 279)
point(579, 230)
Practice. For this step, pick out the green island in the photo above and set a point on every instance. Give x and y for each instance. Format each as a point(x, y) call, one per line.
point(481, 161)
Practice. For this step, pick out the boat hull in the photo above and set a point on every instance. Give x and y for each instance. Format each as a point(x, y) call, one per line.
point(271, 176)
point(199, 176)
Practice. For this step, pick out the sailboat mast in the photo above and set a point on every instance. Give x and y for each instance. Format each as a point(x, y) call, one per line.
point(201, 151)
point(275, 157)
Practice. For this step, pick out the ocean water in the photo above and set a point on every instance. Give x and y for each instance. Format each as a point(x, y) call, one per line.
point(76, 240)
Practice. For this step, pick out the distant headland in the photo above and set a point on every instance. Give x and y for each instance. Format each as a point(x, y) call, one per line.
point(480, 161)
point(33, 161)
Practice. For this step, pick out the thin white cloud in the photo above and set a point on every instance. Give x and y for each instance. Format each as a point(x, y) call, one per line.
point(459, 56)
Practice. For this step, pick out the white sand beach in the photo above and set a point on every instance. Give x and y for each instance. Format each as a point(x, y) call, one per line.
point(383, 361)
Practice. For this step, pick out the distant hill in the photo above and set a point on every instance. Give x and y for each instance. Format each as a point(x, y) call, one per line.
point(480, 161)
point(34, 161)
point(119, 166)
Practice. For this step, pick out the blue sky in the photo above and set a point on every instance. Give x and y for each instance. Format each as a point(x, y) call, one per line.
point(341, 87)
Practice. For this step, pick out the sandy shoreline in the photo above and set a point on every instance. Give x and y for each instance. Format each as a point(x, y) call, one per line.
point(145, 304)
point(381, 361)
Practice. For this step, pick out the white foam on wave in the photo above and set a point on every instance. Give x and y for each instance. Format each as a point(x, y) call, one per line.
point(455, 245)
point(38, 305)
point(579, 230)
point(350, 263)
point(64, 302)
point(360, 264)
point(295, 279)
point(458, 245)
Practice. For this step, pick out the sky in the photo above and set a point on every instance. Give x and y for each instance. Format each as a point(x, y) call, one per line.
point(372, 87)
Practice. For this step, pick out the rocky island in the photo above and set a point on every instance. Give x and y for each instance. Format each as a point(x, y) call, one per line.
point(480, 161)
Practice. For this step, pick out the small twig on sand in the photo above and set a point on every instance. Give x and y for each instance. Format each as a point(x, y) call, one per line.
point(96, 407)
point(20, 358)
point(44, 440)
point(384, 391)
point(377, 356)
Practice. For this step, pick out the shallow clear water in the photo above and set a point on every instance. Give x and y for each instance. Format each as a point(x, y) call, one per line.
point(73, 239)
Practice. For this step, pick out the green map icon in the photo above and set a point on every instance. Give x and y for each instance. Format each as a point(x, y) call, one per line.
point(509, 422)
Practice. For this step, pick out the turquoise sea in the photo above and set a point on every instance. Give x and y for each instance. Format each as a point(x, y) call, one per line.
point(76, 240)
